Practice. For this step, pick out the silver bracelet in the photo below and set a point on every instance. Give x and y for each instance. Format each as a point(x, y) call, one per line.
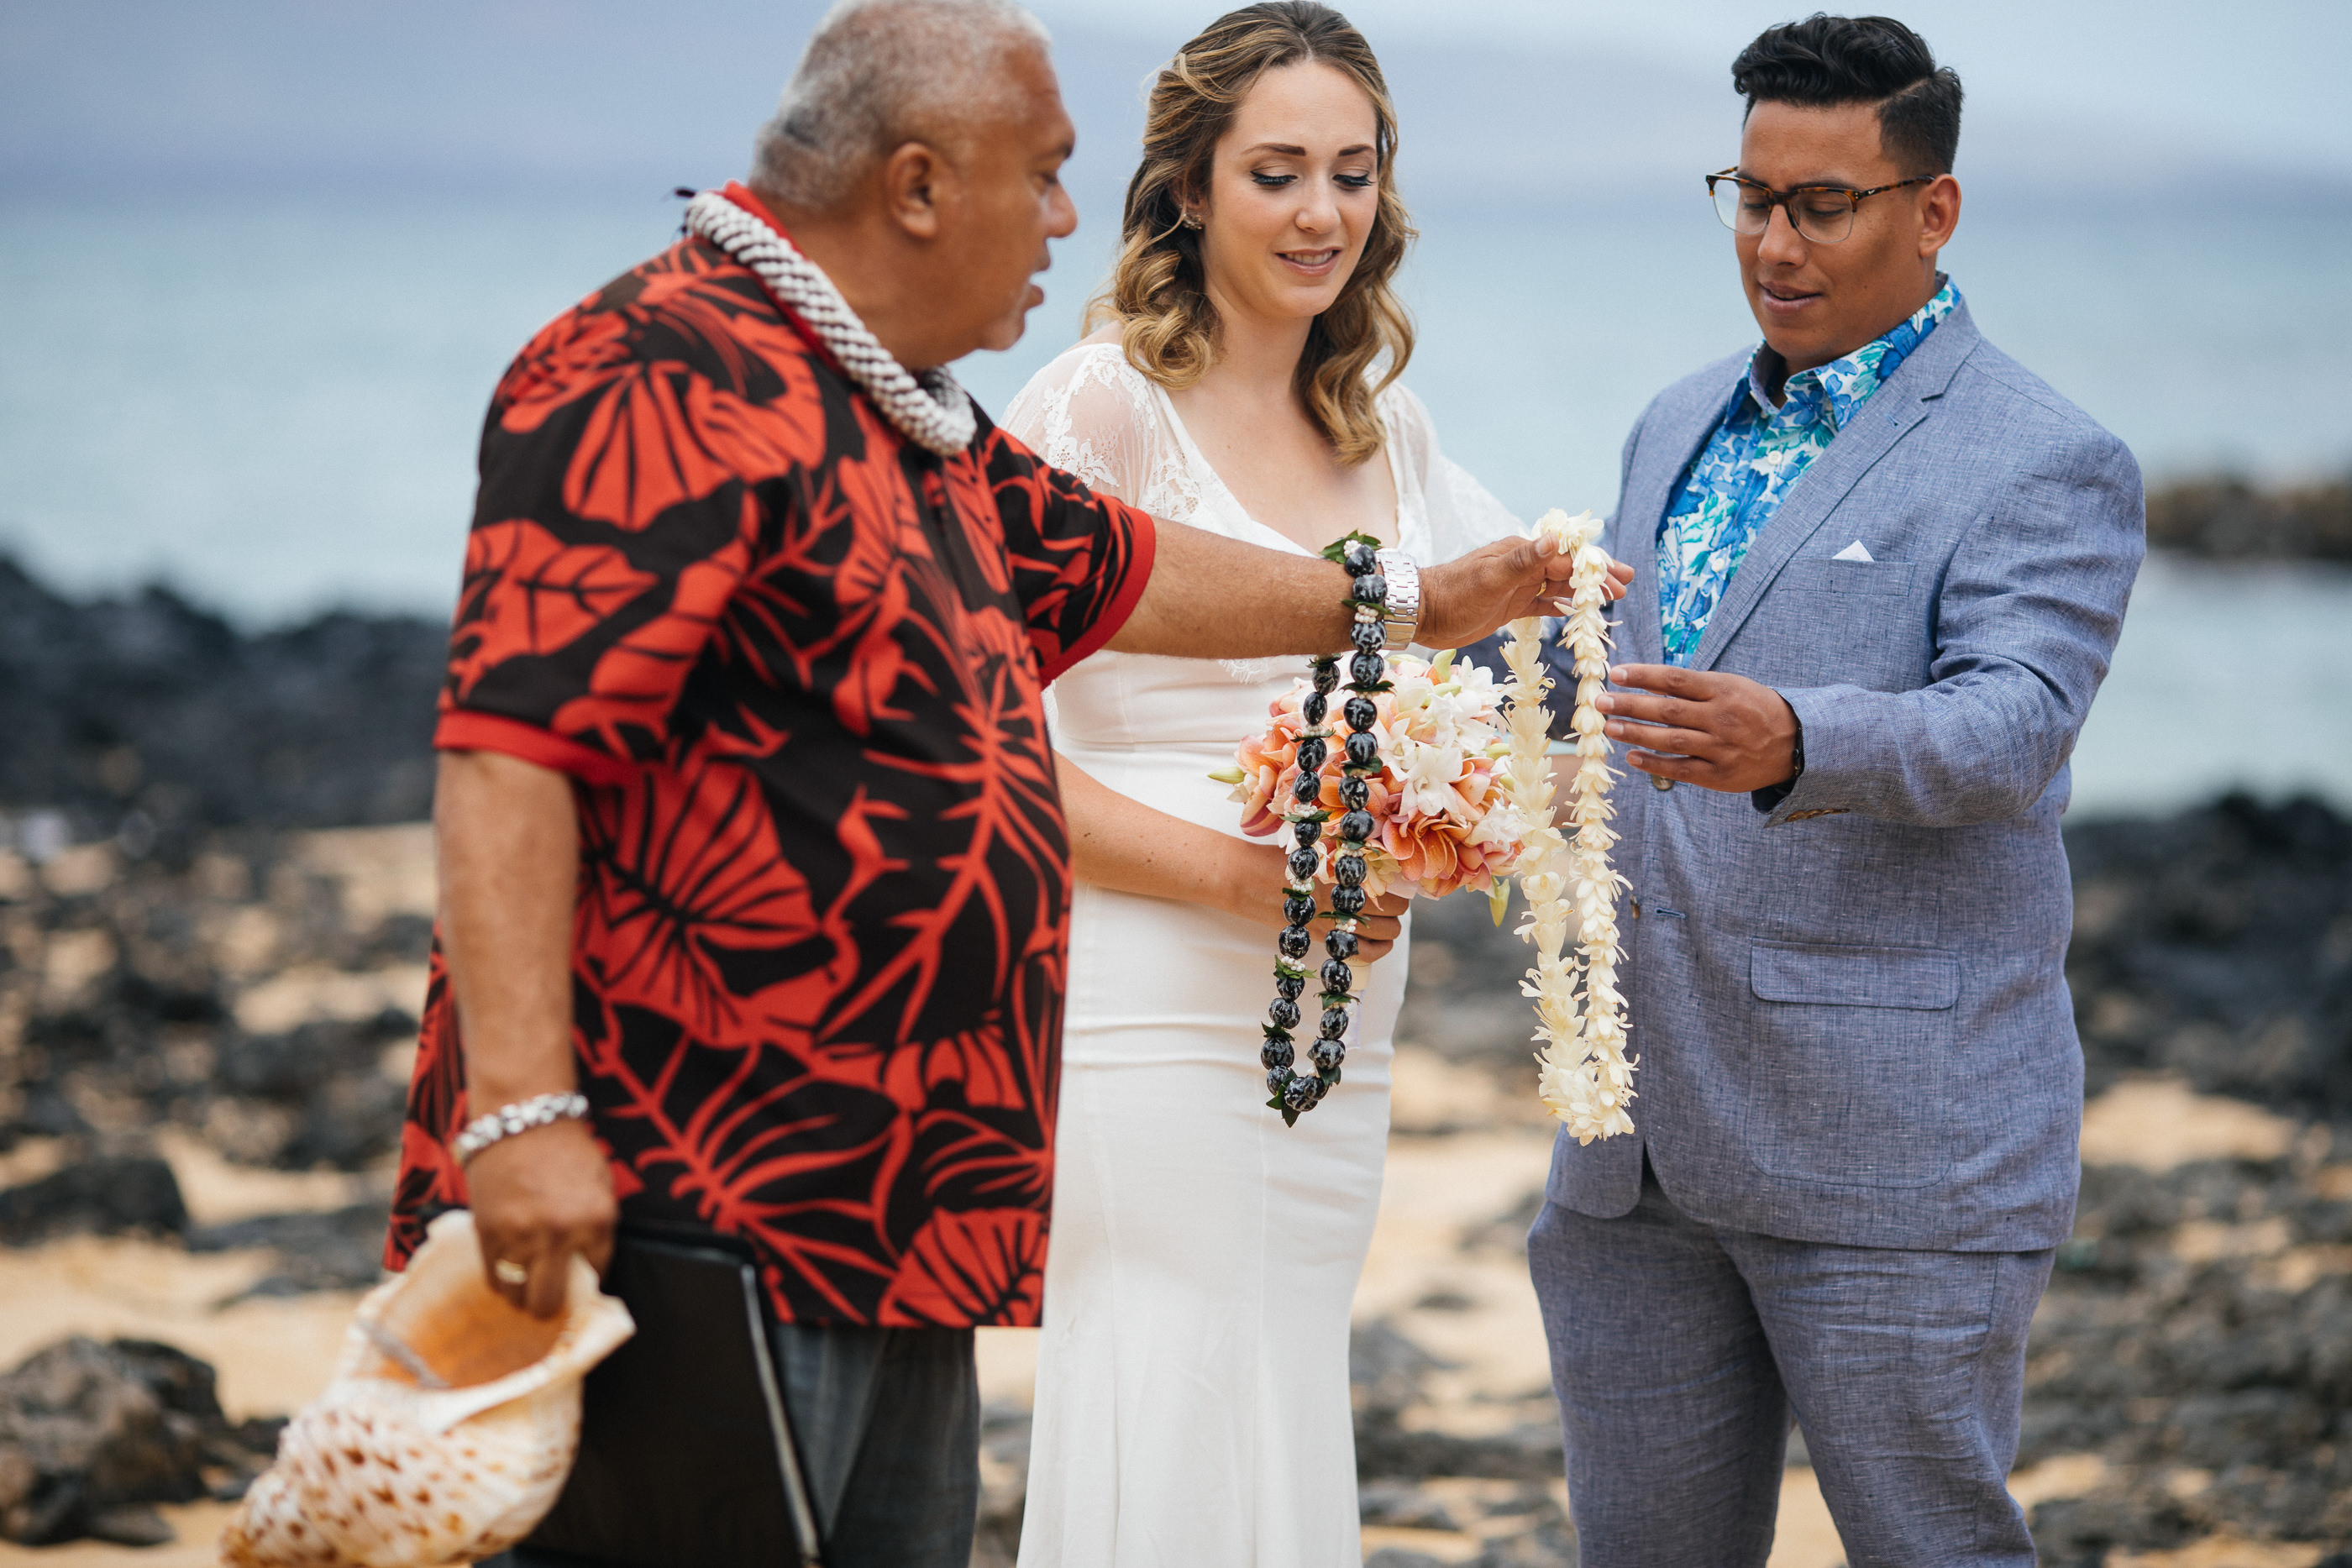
point(539, 1111)
point(1400, 614)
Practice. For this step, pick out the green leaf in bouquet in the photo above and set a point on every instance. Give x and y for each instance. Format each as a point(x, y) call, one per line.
point(1336, 552)
point(1228, 775)
point(1500, 899)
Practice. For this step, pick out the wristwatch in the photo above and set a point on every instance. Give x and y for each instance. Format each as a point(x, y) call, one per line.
point(1769, 798)
point(1400, 614)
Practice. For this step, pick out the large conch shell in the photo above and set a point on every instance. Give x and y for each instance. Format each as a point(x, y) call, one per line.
point(448, 1429)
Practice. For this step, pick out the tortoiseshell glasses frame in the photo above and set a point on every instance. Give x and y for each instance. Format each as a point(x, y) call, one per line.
point(1823, 213)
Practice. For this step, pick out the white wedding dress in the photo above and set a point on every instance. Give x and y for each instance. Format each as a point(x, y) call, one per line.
point(1192, 1406)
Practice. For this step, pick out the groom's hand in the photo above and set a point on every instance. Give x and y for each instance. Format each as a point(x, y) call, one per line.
point(1699, 726)
point(1465, 600)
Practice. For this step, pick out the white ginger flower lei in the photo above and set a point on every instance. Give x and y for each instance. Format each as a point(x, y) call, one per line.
point(1586, 1079)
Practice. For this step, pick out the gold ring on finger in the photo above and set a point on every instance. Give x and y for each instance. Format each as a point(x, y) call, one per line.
point(511, 1272)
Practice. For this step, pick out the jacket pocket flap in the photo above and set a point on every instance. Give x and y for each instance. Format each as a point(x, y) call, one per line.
point(1925, 977)
point(1849, 575)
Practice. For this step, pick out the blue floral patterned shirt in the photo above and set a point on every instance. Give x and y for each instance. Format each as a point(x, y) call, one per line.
point(1756, 457)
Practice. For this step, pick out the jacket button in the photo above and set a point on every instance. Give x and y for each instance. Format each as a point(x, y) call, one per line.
point(1660, 781)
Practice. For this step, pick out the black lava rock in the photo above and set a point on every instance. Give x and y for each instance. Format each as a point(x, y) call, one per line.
point(152, 705)
point(105, 1197)
point(2217, 943)
point(334, 1249)
point(91, 1433)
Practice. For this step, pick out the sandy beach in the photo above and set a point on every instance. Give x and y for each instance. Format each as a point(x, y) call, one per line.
point(1456, 1429)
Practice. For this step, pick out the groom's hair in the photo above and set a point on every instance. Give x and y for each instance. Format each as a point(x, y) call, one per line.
point(1823, 62)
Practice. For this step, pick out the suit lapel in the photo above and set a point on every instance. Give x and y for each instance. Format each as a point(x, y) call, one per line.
point(1888, 415)
point(1680, 439)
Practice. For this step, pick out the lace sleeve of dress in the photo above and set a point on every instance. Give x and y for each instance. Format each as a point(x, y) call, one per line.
point(1091, 413)
point(1463, 512)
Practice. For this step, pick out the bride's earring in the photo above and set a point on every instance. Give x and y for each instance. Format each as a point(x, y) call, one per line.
point(1191, 220)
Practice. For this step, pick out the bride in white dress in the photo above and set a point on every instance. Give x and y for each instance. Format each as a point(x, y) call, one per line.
point(1193, 1404)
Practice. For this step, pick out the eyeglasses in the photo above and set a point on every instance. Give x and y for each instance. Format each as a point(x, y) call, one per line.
point(1823, 213)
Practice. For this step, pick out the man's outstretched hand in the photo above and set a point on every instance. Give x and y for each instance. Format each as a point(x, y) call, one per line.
point(1699, 727)
point(1465, 600)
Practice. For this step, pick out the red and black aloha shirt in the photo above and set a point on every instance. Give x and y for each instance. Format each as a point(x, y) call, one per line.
point(791, 663)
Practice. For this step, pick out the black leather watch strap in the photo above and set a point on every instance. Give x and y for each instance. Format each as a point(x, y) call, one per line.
point(1769, 798)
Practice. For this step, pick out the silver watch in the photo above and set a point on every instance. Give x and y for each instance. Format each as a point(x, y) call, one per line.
point(1401, 613)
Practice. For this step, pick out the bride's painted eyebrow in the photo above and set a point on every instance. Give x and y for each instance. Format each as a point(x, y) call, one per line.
point(1290, 151)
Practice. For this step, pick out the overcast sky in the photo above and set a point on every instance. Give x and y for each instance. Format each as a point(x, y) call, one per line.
point(612, 93)
point(2260, 79)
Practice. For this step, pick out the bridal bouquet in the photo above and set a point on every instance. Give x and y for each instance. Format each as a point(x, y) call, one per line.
point(1443, 815)
point(1445, 782)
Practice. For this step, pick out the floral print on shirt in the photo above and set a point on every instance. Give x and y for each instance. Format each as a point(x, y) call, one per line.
point(1755, 457)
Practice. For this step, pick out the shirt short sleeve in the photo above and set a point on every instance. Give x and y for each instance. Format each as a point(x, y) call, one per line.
point(608, 536)
point(1079, 560)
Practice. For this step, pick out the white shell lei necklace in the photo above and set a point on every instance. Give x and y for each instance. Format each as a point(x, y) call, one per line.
point(1586, 1077)
point(929, 408)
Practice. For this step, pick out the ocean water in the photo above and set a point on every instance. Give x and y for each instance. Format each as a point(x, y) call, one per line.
point(273, 402)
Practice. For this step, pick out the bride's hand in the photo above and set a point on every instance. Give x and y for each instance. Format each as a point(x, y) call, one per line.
point(1256, 887)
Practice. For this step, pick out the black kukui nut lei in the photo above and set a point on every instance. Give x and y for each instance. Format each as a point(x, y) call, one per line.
point(1291, 1092)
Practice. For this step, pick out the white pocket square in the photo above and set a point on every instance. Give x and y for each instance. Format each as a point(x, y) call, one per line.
point(1852, 552)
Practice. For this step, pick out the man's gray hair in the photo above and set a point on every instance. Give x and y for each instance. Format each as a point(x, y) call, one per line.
point(880, 73)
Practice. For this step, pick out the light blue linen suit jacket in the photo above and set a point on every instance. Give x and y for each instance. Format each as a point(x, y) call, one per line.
point(1851, 1014)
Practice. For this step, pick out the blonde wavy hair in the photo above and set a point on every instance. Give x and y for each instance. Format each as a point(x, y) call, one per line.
point(1157, 294)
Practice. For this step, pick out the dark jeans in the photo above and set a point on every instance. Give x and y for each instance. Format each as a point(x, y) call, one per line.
point(888, 1426)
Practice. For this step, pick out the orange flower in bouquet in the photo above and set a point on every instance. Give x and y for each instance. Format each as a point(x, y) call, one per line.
point(1443, 819)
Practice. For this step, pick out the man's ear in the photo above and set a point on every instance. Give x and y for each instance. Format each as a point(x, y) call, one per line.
point(1939, 213)
point(911, 180)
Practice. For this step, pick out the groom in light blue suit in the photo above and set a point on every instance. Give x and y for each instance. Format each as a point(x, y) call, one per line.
point(1880, 572)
